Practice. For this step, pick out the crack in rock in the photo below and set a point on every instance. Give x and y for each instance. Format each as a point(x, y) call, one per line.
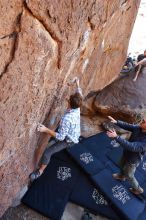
point(52, 34)
point(15, 43)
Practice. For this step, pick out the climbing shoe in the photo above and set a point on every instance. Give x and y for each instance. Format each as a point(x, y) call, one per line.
point(34, 175)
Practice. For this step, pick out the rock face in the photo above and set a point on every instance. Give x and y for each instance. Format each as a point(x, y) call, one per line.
point(123, 99)
point(43, 45)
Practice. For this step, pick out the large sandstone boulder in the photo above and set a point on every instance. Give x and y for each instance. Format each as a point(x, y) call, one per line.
point(123, 99)
point(44, 44)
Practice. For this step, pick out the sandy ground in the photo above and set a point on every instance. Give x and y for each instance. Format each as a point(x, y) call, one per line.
point(72, 212)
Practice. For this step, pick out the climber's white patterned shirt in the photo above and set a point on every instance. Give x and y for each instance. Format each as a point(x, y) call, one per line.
point(69, 128)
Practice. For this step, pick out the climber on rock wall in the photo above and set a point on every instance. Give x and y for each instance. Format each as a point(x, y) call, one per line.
point(68, 132)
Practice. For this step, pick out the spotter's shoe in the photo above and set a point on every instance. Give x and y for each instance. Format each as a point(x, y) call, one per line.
point(136, 191)
point(119, 176)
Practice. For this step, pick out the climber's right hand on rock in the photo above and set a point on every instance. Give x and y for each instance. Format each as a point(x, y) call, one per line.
point(74, 80)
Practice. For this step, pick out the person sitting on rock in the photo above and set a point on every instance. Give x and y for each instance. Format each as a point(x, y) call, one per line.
point(141, 56)
point(141, 68)
point(133, 153)
point(68, 132)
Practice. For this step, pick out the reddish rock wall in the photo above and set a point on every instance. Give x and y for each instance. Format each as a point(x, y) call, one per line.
point(43, 45)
